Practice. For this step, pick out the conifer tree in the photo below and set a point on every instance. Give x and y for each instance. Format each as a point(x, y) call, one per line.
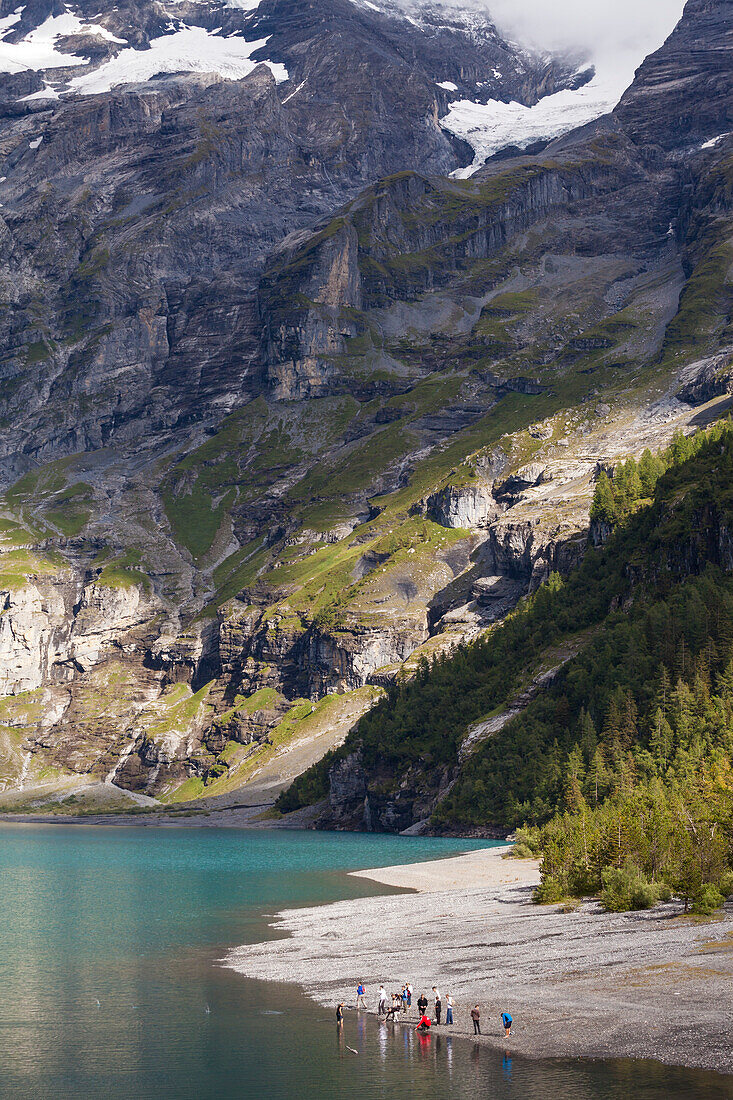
point(603, 509)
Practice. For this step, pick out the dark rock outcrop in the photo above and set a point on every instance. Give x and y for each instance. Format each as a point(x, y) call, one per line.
point(708, 379)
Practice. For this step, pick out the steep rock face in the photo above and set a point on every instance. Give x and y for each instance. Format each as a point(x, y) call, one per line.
point(532, 550)
point(347, 791)
point(84, 655)
point(35, 634)
point(308, 660)
point(527, 477)
point(103, 615)
point(311, 297)
point(354, 800)
point(708, 379)
point(55, 626)
point(463, 506)
point(144, 213)
point(349, 658)
point(710, 540)
point(299, 360)
point(683, 93)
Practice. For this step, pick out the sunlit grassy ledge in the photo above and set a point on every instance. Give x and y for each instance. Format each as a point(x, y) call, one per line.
point(579, 983)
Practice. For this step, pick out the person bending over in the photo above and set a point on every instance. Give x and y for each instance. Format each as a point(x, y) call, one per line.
point(423, 1024)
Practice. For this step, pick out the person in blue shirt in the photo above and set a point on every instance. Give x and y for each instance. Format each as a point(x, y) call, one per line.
point(360, 995)
point(404, 998)
point(507, 1022)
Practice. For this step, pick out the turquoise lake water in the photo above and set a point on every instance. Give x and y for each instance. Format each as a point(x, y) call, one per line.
point(110, 983)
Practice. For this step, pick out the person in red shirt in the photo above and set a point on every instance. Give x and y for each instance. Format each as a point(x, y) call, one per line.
point(424, 1024)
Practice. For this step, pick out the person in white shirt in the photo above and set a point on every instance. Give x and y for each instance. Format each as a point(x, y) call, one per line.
point(448, 1009)
point(382, 1006)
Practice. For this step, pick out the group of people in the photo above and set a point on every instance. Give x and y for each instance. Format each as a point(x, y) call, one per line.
point(422, 1007)
point(400, 1001)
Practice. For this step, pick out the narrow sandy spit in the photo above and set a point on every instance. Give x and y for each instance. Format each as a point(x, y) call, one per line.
point(586, 983)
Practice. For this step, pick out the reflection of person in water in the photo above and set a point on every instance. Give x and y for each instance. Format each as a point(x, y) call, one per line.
point(506, 1065)
point(424, 1043)
point(383, 1042)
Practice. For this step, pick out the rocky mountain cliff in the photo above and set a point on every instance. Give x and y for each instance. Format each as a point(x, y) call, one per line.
point(287, 405)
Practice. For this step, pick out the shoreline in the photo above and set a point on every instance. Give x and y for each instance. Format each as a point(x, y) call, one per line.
point(229, 817)
point(647, 985)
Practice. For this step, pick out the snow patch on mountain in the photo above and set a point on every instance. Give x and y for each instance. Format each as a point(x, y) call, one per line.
point(9, 21)
point(188, 49)
point(38, 50)
point(490, 127)
point(46, 92)
point(714, 141)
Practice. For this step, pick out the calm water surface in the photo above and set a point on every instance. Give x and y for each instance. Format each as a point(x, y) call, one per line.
point(109, 983)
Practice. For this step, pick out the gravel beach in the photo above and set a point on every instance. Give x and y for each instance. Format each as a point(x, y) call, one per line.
point(655, 984)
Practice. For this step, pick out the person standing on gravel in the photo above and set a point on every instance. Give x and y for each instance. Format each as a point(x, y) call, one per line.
point(438, 1005)
point(408, 987)
point(476, 1017)
point(360, 995)
point(422, 1004)
point(382, 1005)
point(448, 1009)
